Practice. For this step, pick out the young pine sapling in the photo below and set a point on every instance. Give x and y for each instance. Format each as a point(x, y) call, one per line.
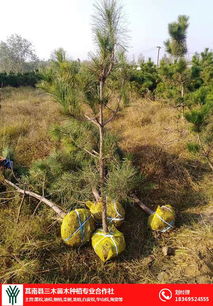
point(85, 90)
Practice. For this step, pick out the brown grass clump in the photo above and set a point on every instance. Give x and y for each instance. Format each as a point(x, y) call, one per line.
point(32, 250)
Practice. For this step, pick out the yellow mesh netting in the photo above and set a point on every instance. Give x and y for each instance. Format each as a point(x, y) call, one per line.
point(115, 211)
point(108, 245)
point(77, 227)
point(162, 219)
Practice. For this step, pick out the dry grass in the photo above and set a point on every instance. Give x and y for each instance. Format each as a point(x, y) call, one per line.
point(26, 117)
point(32, 250)
point(157, 138)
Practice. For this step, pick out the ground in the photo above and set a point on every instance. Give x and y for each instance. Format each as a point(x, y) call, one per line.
point(31, 249)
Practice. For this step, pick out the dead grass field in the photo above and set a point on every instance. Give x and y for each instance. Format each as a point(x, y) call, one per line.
point(32, 250)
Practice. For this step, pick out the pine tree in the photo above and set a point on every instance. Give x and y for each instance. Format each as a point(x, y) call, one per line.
point(176, 45)
point(176, 73)
point(85, 91)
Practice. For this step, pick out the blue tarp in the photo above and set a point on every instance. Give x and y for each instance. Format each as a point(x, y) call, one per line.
point(6, 163)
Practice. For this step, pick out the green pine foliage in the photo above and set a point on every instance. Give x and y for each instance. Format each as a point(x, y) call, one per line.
point(200, 116)
point(144, 78)
point(174, 81)
point(69, 174)
point(122, 180)
point(60, 80)
point(19, 79)
point(176, 45)
point(193, 147)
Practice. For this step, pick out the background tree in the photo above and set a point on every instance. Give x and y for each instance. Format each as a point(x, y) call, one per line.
point(174, 81)
point(144, 78)
point(11, 79)
point(176, 45)
point(200, 104)
point(17, 55)
point(200, 116)
point(202, 69)
point(175, 74)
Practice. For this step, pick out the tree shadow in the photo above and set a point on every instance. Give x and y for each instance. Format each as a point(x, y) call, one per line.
point(139, 238)
point(187, 218)
point(169, 179)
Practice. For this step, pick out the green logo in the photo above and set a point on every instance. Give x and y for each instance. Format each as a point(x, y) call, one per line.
point(12, 294)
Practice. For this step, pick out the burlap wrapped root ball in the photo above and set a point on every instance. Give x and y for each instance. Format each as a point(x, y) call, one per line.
point(108, 245)
point(77, 227)
point(115, 211)
point(162, 219)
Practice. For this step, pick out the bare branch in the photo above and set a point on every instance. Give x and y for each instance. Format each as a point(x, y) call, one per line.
point(93, 153)
point(35, 210)
point(90, 153)
point(96, 194)
point(114, 112)
point(143, 206)
point(19, 209)
point(93, 120)
point(52, 205)
point(43, 193)
point(112, 62)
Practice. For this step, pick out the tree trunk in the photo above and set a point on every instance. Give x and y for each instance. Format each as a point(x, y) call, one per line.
point(182, 91)
point(143, 206)
point(101, 161)
point(182, 96)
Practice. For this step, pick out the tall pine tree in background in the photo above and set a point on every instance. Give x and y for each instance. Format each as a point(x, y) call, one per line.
point(174, 73)
point(176, 44)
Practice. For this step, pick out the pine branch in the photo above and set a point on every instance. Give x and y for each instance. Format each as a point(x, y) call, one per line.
point(93, 153)
point(114, 113)
point(93, 120)
point(96, 194)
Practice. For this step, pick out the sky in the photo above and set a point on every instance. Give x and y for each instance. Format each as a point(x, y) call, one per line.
point(51, 24)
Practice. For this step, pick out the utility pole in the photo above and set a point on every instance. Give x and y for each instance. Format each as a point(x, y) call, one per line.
point(158, 56)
